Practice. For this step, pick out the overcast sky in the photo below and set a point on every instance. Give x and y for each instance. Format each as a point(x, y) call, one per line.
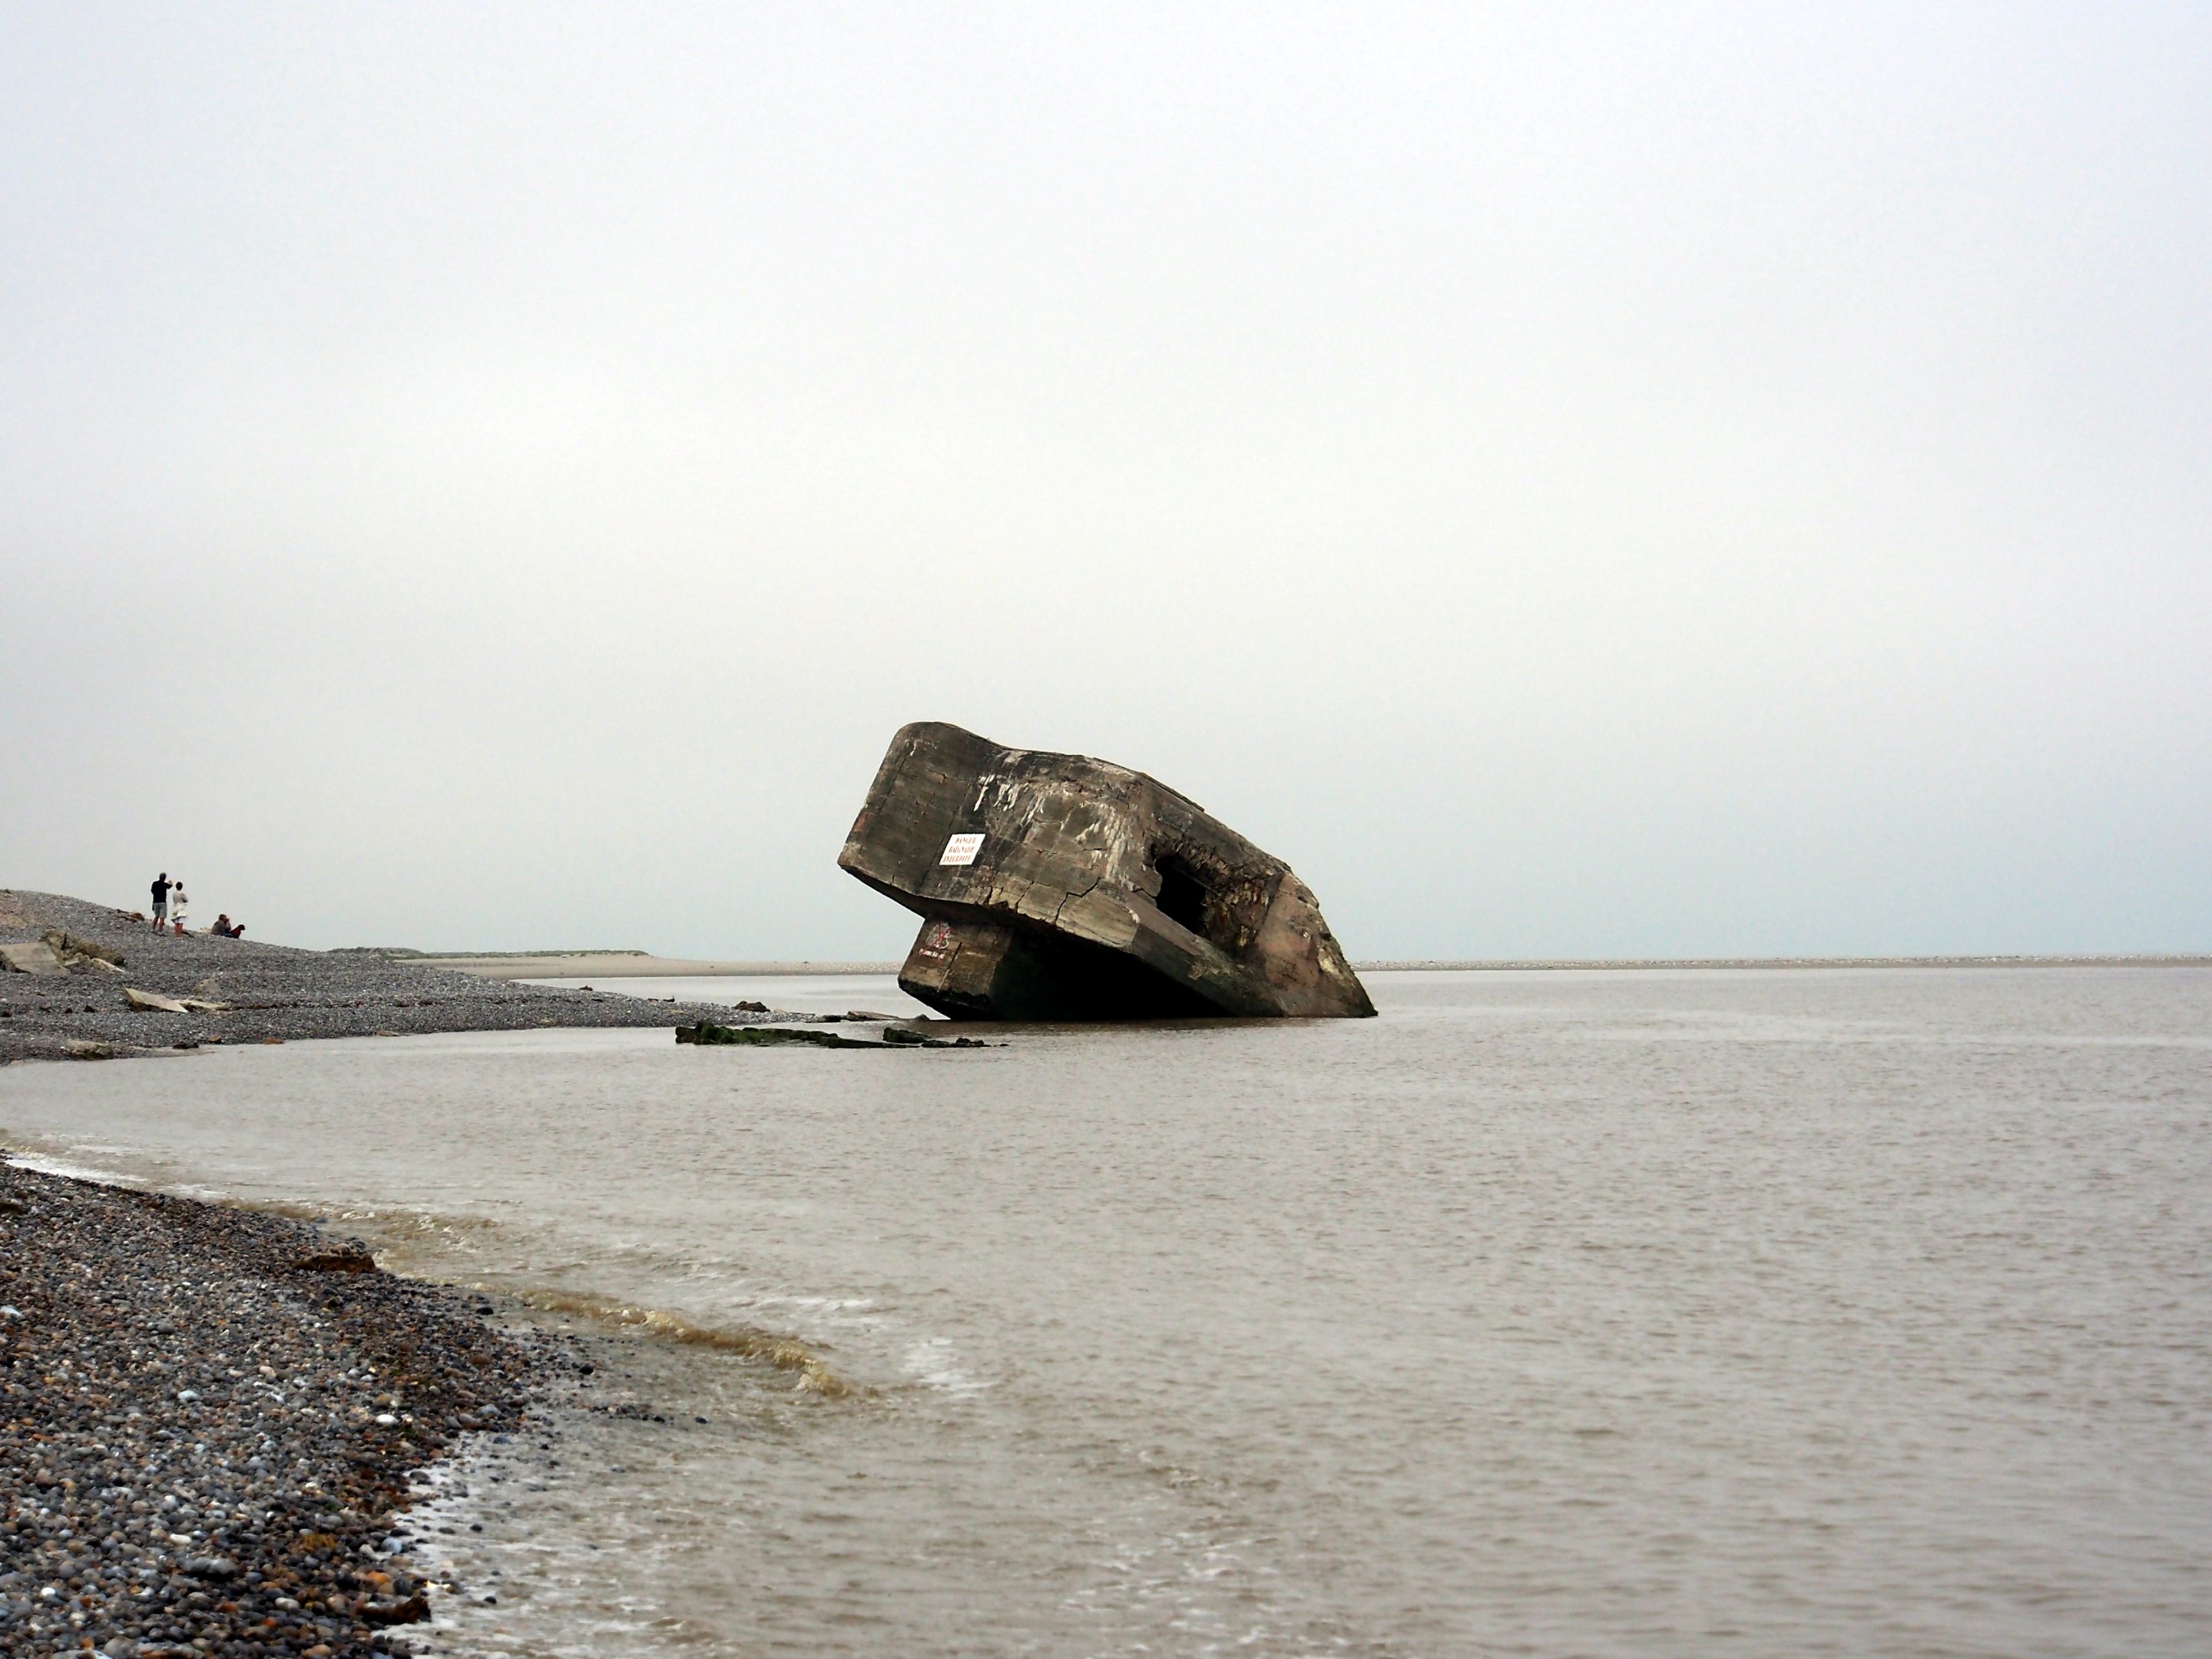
point(1574, 480)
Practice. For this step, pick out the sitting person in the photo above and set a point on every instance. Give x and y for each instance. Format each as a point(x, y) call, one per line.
point(226, 928)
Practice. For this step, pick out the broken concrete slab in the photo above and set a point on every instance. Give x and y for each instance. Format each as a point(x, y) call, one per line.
point(36, 957)
point(706, 1034)
point(147, 1002)
point(1059, 887)
point(905, 1036)
point(67, 944)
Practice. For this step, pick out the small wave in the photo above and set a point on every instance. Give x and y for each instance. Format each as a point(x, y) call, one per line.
point(398, 1221)
point(813, 1374)
point(816, 1304)
point(44, 1163)
point(288, 1209)
point(931, 1364)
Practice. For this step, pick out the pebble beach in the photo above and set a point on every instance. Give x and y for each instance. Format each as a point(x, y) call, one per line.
point(213, 1421)
point(260, 992)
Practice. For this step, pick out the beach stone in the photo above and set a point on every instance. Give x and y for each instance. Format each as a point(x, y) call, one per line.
point(395, 1610)
point(1062, 887)
point(350, 1257)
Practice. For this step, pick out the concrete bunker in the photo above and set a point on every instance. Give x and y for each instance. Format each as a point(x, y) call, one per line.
point(1059, 887)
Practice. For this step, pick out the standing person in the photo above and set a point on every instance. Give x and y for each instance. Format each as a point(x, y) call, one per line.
point(160, 900)
point(177, 904)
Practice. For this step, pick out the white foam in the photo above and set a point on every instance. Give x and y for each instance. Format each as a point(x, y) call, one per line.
point(932, 1363)
point(44, 1163)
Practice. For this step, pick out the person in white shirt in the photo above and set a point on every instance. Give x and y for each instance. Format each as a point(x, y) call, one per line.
point(177, 905)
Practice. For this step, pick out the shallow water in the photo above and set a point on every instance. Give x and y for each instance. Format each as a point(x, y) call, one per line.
point(1800, 1312)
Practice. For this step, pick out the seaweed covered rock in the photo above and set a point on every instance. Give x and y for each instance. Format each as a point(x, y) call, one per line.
point(1057, 887)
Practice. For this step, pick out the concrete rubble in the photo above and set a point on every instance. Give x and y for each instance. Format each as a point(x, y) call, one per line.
point(1059, 887)
point(31, 957)
point(706, 1034)
point(58, 952)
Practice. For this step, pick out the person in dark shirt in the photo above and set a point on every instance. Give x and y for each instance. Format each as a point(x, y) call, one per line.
point(162, 884)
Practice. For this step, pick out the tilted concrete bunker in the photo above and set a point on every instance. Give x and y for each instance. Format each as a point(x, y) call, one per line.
point(1057, 887)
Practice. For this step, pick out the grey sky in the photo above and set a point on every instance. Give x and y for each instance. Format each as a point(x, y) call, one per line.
point(1573, 480)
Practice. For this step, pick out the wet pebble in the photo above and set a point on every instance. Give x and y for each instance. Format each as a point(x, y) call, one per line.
point(207, 1447)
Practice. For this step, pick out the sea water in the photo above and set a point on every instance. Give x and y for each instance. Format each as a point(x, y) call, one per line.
point(1613, 1313)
